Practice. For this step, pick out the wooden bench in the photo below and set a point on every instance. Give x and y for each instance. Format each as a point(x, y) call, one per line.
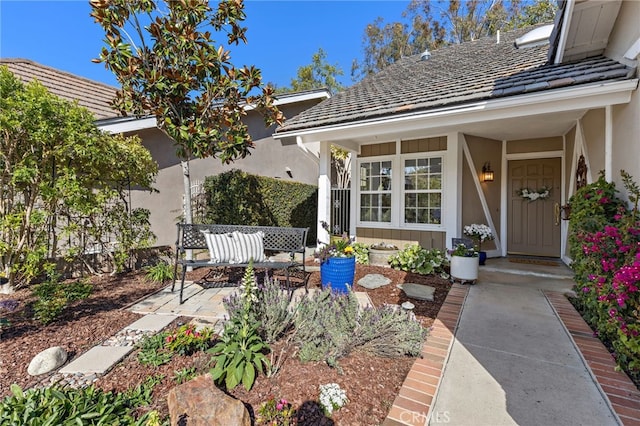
point(276, 239)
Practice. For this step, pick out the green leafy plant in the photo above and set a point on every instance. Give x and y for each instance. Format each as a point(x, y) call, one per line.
point(361, 251)
point(142, 394)
point(241, 350)
point(186, 340)
point(276, 413)
point(54, 296)
point(463, 251)
point(58, 406)
point(419, 260)
point(152, 351)
point(161, 272)
point(185, 374)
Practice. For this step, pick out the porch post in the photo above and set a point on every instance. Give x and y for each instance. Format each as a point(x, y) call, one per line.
point(453, 188)
point(608, 143)
point(324, 192)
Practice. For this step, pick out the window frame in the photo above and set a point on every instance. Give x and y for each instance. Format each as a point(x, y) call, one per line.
point(390, 191)
point(417, 156)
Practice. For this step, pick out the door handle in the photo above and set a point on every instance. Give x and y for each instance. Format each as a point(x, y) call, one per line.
point(556, 213)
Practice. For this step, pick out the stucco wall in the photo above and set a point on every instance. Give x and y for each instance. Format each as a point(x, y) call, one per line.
point(626, 140)
point(269, 158)
point(625, 31)
point(593, 134)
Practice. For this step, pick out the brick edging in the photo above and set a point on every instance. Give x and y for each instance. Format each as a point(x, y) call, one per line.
point(415, 399)
point(623, 395)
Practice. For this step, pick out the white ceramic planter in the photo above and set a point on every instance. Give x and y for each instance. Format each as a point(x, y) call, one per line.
point(464, 268)
point(379, 257)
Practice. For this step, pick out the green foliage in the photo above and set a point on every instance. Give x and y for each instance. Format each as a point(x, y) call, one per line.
point(325, 324)
point(317, 75)
point(239, 198)
point(419, 260)
point(161, 272)
point(55, 406)
point(240, 351)
point(54, 296)
point(59, 182)
point(430, 25)
point(179, 73)
point(272, 413)
point(605, 246)
point(158, 349)
point(185, 374)
point(362, 253)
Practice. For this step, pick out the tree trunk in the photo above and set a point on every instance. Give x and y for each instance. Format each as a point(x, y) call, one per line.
point(188, 216)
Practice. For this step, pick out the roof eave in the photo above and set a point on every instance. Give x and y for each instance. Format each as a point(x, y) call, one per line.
point(564, 99)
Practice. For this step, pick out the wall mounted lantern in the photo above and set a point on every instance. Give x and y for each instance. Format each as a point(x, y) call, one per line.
point(487, 173)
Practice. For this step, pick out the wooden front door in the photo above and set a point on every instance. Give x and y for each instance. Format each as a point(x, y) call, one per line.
point(534, 225)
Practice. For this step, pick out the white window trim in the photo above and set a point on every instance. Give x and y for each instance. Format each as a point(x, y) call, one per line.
point(397, 191)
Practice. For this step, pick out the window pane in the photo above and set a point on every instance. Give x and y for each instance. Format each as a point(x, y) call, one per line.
point(386, 200)
point(422, 182)
point(423, 200)
point(409, 216)
point(386, 215)
point(435, 182)
point(436, 165)
point(435, 216)
point(435, 200)
point(375, 184)
point(375, 169)
point(365, 200)
point(410, 200)
point(365, 214)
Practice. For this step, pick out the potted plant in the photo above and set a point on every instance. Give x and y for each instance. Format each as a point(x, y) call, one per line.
point(464, 263)
point(479, 233)
point(380, 253)
point(337, 265)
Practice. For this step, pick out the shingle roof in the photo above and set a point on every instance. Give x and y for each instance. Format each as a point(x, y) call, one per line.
point(90, 94)
point(454, 75)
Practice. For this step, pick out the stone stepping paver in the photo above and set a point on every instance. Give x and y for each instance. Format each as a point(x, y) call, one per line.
point(152, 323)
point(98, 360)
point(373, 281)
point(418, 291)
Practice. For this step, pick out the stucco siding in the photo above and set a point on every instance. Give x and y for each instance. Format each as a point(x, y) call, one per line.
point(625, 31)
point(626, 140)
point(270, 158)
point(593, 133)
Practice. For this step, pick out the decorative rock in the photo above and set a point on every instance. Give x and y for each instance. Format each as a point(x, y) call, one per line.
point(47, 360)
point(201, 323)
point(373, 281)
point(418, 291)
point(407, 306)
point(200, 403)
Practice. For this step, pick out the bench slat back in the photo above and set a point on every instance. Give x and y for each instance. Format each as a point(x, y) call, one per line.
point(190, 236)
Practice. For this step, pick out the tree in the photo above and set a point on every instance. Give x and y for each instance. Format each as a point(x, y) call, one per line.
point(61, 192)
point(318, 74)
point(173, 70)
point(432, 25)
point(341, 159)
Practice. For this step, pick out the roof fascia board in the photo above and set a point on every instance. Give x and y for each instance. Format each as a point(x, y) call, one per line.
point(573, 98)
point(564, 31)
point(324, 94)
point(130, 126)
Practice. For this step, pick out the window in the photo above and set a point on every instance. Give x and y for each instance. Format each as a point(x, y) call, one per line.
point(423, 191)
point(375, 191)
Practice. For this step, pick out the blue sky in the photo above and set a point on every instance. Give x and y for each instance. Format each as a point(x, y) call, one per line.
point(282, 35)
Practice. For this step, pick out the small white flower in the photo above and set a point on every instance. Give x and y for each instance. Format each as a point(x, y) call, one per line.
point(332, 397)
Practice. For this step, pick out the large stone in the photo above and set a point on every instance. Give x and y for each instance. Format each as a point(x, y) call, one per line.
point(373, 281)
point(418, 291)
point(47, 360)
point(200, 403)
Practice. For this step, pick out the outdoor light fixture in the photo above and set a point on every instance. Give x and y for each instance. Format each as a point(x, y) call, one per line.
point(487, 173)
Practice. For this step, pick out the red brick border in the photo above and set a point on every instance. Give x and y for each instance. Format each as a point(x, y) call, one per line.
point(616, 385)
point(413, 403)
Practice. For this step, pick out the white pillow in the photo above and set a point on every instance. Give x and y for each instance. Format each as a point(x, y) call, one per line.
point(221, 247)
point(248, 246)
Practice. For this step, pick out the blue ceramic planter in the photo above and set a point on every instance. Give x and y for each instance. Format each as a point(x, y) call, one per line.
point(483, 257)
point(338, 272)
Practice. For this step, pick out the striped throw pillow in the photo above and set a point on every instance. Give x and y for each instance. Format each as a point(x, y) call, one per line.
point(249, 246)
point(221, 247)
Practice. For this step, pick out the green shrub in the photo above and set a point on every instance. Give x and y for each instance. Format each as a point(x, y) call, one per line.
point(54, 296)
point(362, 253)
point(185, 374)
point(152, 351)
point(161, 272)
point(55, 406)
point(236, 197)
point(419, 260)
point(240, 351)
point(159, 348)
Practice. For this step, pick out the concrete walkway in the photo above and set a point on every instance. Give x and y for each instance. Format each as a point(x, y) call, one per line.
point(512, 362)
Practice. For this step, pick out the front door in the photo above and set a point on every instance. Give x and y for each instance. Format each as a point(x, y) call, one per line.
point(534, 216)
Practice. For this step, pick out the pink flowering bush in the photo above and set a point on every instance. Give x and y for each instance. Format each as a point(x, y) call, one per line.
point(605, 247)
point(276, 413)
point(186, 340)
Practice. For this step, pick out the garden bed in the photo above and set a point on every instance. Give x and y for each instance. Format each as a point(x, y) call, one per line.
point(371, 382)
